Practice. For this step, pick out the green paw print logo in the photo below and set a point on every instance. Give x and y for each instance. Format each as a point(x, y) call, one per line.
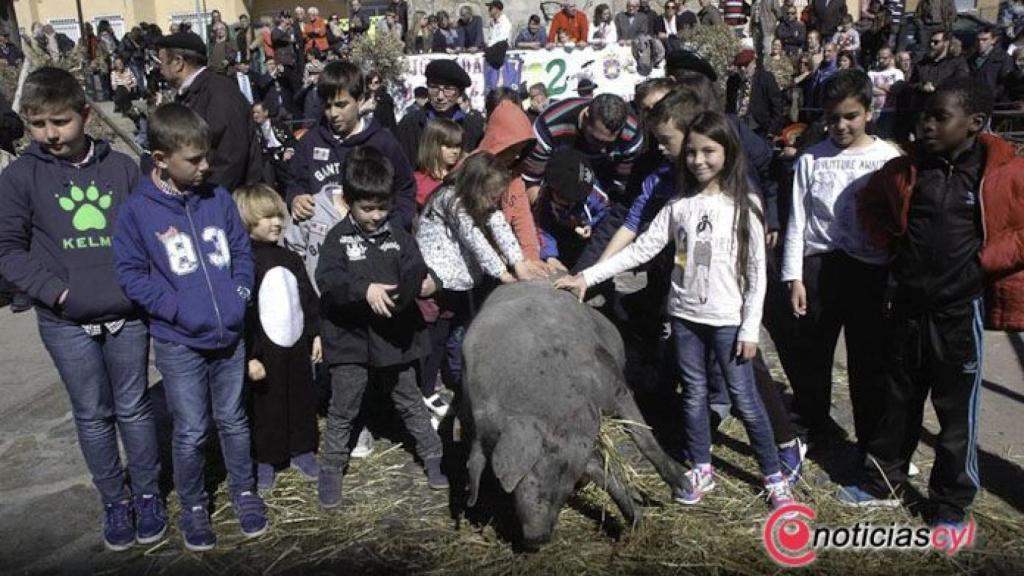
point(88, 206)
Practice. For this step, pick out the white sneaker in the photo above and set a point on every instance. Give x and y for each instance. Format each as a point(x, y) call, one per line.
point(437, 405)
point(364, 446)
point(912, 470)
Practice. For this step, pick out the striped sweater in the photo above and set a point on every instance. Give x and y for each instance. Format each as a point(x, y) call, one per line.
point(559, 127)
point(734, 12)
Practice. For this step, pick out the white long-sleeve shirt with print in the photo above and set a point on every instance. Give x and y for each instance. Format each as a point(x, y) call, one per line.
point(823, 216)
point(705, 286)
point(457, 250)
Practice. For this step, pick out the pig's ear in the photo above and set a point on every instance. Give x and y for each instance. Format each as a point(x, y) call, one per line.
point(517, 450)
point(475, 467)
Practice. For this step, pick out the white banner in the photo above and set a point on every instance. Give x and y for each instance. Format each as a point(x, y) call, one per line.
point(612, 68)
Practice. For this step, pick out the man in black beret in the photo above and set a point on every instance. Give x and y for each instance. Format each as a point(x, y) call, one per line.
point(235, 156)
point(679, 60)
point(446, 83)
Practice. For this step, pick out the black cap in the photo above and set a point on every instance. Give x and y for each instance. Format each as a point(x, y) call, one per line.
point(182, 41)
point(585, 84)
point(448, 73)
point(686, 60)
point(568, 172)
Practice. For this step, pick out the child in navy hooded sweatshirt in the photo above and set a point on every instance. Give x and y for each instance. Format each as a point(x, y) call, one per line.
point(60, 200)
point(320, 154)
point(183, 254)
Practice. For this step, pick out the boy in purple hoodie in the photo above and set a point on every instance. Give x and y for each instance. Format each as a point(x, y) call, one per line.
point(60, 200)
point(183, 255)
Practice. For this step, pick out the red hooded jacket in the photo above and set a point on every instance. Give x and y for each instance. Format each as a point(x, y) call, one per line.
point(507, 126)
point(884, 204)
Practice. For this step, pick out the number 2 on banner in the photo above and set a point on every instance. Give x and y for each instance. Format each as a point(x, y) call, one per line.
point(554, 88)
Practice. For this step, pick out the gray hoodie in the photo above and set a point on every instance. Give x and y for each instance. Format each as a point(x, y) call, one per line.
point(305, 238)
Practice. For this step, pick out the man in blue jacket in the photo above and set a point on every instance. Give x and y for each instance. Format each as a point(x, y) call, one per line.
point(61, 199)
point(183, 254)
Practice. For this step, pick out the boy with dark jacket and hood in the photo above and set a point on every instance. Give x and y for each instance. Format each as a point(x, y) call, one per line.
point(952, 218)
point(321, 153)
point(60, 201)
point(569, 207)
point(183, 255)
point(369, 274)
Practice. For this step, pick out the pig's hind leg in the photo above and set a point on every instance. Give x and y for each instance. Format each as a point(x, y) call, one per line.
point(627, 499)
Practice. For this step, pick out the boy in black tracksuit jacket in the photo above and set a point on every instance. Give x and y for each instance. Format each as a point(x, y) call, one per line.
point(321, 153)
point(952, 217)
point(369, 274)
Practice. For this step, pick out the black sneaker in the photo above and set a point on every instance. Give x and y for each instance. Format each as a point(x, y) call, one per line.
point(118, 532)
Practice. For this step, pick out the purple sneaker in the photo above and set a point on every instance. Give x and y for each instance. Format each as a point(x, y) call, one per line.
point(252, 514)
point(307, 465)
point(118, 531)
point(196, 530)
point(150, 519)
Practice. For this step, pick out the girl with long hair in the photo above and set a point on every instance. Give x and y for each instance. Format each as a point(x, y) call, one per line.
point(716, 296)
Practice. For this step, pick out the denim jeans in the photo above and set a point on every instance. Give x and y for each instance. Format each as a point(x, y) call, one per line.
point(463, 304)
point(196, 383)
point(106, 381)
point(696, 345)
point(349, 382)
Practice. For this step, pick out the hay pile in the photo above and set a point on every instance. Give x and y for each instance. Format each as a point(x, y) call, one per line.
point(393, 524)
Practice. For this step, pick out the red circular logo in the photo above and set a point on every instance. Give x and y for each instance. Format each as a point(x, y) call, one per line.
point(787, 537)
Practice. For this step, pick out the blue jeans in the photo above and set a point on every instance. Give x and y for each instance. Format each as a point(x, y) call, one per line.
point(697, 345)
point(196, 383)
point(106, 381)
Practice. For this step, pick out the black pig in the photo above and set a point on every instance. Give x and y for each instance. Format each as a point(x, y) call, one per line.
point(540, 370)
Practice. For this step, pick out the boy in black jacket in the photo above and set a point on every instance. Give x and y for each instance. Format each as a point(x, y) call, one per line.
point(370, 273)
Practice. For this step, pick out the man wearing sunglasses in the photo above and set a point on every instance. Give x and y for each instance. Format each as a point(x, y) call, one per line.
point(791, 31)
point(938, 66)
point(668, 24)
point(446, 84)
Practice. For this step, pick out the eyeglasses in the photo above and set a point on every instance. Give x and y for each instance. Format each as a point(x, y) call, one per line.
point(449, 90)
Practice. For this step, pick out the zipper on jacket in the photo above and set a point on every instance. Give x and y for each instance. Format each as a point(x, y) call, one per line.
point(206, 274)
